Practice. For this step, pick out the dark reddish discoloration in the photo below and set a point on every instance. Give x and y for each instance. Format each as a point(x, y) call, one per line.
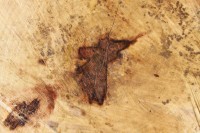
point(41, 61)
point(51, 97)
point(93, 74)
point(48, 95)
point(156, 75)
point(21, 114)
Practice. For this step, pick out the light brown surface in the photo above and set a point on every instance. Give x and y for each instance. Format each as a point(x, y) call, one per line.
point(137, 100)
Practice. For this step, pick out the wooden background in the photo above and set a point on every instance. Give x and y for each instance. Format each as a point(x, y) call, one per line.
point(154, 88)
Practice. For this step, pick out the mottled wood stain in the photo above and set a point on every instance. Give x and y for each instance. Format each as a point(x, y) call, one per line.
point(21, 113)
point(93, 74)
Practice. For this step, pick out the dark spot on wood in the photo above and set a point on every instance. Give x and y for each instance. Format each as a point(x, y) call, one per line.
point(180, 53)
point(47, 95)
point(166, 102)
point(41, 61)
point(108, 124)
point(167, 42)
point(93, 74)
point(68, 97)
point(166, 53)
point(45, 30)
point(156, 75)
point(196, 74)
point(51, 96)
point(160, 1)
point(195, 53)
point(186, 72)
point(21, 113)
point(188, 48)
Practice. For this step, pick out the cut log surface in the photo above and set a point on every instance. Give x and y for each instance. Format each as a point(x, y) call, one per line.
point(152, 87)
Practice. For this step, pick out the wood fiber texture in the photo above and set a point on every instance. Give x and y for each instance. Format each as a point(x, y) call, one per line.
point(154, 87)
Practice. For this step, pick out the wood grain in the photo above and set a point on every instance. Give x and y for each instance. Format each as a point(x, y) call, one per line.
point(154, 88)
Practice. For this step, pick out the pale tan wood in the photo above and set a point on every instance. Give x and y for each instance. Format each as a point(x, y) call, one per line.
point(137, 100)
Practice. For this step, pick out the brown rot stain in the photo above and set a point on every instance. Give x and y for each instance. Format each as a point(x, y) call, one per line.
point(93, 74)
point(51, 96)
point(41, 61)
point(156, 75)
point(166, 102)
point(48, 96)
point(21, 113)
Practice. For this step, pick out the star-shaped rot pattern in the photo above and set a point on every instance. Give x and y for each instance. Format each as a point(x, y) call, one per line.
point(93, 74)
